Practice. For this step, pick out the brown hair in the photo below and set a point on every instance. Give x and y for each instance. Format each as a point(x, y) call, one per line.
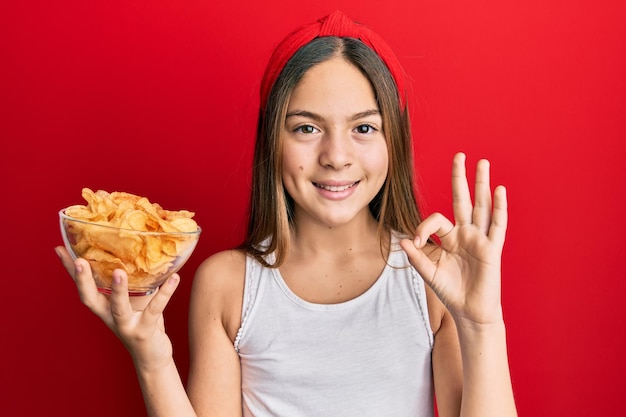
point(271, 208)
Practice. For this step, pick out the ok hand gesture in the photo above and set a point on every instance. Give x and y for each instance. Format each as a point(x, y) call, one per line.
point(464, 271)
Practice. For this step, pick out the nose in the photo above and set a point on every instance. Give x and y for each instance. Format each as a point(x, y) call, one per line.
point(336, 150)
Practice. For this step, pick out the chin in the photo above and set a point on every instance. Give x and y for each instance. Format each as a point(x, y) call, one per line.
point(335, 222)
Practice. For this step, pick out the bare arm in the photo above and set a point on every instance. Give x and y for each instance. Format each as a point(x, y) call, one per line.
point(466, 278)
point(214, 384)
point(447, 364)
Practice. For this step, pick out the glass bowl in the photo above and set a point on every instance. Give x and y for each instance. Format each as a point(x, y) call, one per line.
point(149, 258)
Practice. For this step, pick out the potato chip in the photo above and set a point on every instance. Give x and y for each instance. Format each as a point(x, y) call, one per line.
point(141, 255)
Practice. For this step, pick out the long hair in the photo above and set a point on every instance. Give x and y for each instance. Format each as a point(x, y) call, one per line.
point(271, 208)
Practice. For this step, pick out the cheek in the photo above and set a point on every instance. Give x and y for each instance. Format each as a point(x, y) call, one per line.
point(378, 162)
point(295, 160)
point(293, 167)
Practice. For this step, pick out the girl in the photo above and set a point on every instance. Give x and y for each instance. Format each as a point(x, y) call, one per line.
point(323, 310)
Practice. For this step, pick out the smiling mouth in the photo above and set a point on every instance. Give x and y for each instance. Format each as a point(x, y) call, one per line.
point(335, 188)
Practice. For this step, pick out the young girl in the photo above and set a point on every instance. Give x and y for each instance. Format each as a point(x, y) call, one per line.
point(323, 310)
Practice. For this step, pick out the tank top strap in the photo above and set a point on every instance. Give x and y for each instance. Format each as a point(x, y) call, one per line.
point(250, 290)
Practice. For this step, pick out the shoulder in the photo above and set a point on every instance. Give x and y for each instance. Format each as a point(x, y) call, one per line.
point(220, 275)
point(217, 289)
point(222, 267)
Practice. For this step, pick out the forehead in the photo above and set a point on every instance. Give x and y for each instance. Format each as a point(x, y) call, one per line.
point(333, 85)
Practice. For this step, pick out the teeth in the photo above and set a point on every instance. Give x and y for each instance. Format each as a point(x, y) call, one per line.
point(335, 188)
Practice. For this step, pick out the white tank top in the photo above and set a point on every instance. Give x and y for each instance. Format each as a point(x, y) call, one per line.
point(369, 356)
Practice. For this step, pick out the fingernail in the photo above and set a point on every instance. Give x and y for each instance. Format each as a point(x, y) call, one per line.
point(417, 241)
point(116, 279)
point(57, 252)
point(78, 267)
point(173, 280)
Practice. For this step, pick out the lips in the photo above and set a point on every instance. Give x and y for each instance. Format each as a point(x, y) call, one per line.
point(335, 188)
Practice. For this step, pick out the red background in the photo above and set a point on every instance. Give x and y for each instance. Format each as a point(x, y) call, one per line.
point(159, 98)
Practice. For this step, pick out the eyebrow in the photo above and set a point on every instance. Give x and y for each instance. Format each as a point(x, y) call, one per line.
point(317, 117)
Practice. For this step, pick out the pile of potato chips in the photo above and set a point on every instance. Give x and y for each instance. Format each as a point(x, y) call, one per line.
point(124, 243)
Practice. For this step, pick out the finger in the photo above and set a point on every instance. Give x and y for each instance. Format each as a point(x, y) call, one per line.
point(121, 309)
point(481, 214)
point(154, 310)
point(87, 289)
point(499, 220)
point(80, 271)
point(461, 200)
point(436, 224)
point(66, 260)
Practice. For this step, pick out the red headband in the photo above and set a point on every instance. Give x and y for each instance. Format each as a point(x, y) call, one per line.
point(335, 24)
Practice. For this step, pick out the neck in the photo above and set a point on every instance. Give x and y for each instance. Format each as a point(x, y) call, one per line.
point(357, 236)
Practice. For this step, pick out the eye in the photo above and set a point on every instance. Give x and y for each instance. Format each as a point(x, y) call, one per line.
point(365, 129)
point(306, 129)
